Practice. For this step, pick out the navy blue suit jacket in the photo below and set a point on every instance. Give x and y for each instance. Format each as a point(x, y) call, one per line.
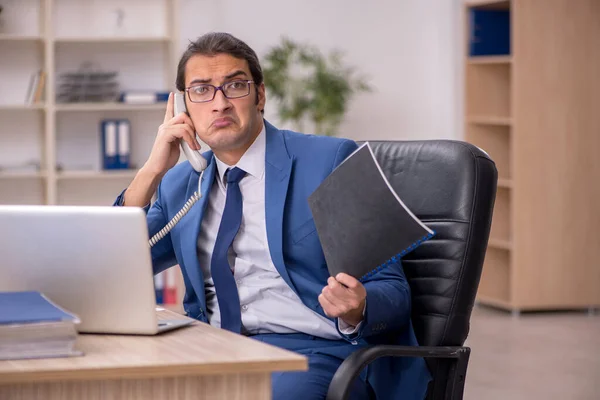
point(295, 164)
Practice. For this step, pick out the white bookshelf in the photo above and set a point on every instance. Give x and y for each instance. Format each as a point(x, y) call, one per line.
point(137, 38)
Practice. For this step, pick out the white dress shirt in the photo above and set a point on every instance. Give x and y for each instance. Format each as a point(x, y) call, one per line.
point(268, 304)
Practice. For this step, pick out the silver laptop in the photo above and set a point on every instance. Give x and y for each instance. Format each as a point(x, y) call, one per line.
point(92, 261)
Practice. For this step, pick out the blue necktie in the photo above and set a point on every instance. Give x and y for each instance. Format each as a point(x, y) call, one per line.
point(227, 292)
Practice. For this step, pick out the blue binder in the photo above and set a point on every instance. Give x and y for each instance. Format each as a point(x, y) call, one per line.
point(109, 144)
point(159, 287)
point(489, 32)
point(30, 307)
point(124, 143)
point(115, 143)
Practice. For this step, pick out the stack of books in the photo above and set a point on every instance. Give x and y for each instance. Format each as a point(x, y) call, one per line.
point(31, 326)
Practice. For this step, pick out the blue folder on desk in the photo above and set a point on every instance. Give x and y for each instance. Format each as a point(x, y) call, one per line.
point(31, 326)
point(30, 307)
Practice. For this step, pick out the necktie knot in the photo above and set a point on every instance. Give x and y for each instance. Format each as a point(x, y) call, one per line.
point(235, 175)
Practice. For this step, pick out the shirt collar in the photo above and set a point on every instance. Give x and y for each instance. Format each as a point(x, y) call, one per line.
point(253, 160)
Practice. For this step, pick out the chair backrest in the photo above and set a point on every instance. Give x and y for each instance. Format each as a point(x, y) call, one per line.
point(451, 187)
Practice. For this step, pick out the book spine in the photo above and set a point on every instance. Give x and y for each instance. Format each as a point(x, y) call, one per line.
point(33, 87)
point(397, 257)
point(39, 91)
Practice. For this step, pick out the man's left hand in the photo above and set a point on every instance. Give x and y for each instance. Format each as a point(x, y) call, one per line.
point(344, 297)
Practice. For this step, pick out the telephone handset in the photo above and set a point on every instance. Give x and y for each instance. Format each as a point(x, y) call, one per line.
point(194, 157)
point(197, 161)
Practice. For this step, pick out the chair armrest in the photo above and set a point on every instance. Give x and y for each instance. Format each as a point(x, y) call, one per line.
point(339, 388)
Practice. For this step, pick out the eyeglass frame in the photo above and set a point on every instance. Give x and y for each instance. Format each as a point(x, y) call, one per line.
point(217, 88)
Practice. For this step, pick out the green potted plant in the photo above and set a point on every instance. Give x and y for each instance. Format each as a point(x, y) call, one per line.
point(310, 86)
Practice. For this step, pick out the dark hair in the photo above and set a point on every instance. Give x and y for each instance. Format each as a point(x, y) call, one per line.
point(214, 43)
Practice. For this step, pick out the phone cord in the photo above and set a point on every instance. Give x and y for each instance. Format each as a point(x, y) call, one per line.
point(175, 220)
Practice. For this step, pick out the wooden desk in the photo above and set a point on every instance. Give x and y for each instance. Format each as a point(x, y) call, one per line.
point(195, 362)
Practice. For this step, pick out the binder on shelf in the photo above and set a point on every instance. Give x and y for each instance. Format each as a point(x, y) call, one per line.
point(115, 144)
point(109, 144)
point(489, 32)
point(159, 287)
point(170, 289)
point(124, 144)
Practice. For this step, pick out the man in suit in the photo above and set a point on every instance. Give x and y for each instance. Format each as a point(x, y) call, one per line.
point(248, 249)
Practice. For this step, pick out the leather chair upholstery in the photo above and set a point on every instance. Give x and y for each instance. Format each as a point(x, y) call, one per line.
point(451, 187)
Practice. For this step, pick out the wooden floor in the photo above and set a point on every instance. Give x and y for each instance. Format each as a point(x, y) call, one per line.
point(540, 356)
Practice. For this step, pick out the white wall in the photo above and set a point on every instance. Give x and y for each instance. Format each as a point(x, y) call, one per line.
point(408, 48)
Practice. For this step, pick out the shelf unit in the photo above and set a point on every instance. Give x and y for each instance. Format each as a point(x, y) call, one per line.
point(56, 36)
point(535, 112)
point(44, 41)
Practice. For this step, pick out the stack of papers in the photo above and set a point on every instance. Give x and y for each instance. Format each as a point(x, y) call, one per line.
point(31, 326)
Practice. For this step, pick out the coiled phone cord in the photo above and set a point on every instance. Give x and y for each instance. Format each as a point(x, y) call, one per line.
point(175, 220)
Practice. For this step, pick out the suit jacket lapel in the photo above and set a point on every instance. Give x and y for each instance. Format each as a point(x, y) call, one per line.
point(191, 226)
point(278, 168)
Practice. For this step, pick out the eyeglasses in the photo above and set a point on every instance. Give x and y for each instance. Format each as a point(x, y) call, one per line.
point(206, 92)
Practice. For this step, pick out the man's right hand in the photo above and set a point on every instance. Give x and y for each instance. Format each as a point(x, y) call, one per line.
point(166, 149)
point(164, 155)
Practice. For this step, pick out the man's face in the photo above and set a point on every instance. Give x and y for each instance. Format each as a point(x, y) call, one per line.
point(224, 124)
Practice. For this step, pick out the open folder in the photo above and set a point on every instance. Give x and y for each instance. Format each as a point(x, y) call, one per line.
point(362, 224)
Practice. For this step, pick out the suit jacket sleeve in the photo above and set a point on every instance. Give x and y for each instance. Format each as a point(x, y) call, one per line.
point(163, 255)
point(388, 303)
point(388, 294)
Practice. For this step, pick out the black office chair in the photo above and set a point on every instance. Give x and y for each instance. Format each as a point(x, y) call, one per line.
point(451, 187)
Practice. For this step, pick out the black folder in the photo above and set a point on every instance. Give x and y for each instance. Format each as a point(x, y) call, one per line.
point(362, 223)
